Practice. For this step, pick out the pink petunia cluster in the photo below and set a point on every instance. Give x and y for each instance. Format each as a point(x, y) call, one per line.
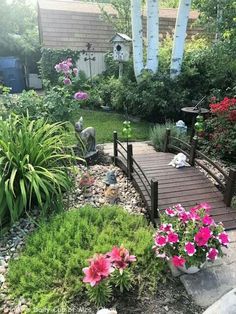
point(185, 236)
point(102, 265)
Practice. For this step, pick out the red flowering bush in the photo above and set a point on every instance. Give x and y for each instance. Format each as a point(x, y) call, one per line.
point(106, 270)
point(189, 238)
point(220, 130)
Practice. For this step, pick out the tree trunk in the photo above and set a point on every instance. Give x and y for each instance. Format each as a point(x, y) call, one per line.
point(179, 37)
point(152, 35)
point(137, 34)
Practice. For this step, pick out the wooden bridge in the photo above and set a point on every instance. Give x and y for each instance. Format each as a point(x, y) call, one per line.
point(162, 186)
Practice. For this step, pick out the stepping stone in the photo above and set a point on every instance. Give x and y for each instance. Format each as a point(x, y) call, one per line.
point(225, 305)
point(209, 284)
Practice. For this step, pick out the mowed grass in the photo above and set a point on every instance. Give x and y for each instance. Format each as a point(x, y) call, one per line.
point(105, 123)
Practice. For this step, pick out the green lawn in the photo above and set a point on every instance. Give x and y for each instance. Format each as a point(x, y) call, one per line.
point(105, 123)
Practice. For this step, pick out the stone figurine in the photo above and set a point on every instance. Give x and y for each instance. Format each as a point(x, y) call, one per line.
point(87, 135)
point(111, 190)
point(110, 178)
point(180, 160)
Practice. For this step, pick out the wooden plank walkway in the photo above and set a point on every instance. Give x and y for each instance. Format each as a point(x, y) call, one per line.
point(187, 186)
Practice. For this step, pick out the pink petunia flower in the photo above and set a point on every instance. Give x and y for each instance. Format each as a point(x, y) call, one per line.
point(166, 227)
point(212, 254)
point(184, 217)
point(91, 276)
point(170, 212)
point(223, 238)
point(179, 208)
point(203, 235)
point(206, 206)
point(190, 248)
point(80, 96)
point(178, 261)
point(172, 238)
point(207, 220)
point(194, 216)
point(160, 240)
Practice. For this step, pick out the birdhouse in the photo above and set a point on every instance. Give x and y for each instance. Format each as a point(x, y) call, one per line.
point(121, 47)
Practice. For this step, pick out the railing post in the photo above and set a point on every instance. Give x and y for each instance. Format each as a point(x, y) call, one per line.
point(167, 140)
point(154, 199)
point(115, 152)
point(193, 151)
point(129, 161)
point(230, 187)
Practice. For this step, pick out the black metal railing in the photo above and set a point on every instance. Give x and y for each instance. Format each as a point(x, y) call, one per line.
point(228, 188)
point(149, 189)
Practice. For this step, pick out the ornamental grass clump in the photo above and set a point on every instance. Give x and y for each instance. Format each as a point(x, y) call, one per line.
point(34, 167)
point(189, 238)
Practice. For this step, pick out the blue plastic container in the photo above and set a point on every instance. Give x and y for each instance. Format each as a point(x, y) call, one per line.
point(12, 74)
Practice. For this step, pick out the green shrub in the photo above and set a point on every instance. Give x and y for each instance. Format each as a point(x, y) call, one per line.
point(33, 169)
point(158, 134)
point(49, 271)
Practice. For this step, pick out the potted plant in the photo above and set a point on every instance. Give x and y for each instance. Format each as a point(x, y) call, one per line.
point(188, 239)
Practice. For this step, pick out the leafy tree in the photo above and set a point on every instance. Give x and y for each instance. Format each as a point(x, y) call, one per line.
point(18, 28)
point(218, 16)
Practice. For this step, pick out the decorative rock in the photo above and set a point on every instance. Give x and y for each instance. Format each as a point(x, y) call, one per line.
point(2, 279)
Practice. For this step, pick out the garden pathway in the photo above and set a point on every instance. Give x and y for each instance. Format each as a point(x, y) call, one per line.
point(187, 186)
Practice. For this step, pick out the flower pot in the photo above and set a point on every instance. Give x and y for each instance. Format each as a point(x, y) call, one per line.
point(191, 269)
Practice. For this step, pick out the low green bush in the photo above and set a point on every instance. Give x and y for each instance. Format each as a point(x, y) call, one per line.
point(158, 134)
point(49, 271)
point(34, 169)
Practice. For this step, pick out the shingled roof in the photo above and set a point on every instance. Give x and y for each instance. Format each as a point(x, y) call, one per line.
point(72, 24)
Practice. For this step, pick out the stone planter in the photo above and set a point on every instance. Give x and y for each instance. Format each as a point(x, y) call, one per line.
point(191, 269)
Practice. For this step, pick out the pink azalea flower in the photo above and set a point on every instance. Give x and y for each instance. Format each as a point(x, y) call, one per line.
point(166, 227)
point(179, 208)
point(178, 261)
point(203, 235)
point(80, 96)
point(207, 220)
point(190, 248)
point(102, 265)
point(184, 217)
point(160, 240)
point(172, 237)
point(223, 238)
point(170, 212)
point(75, 71)
point(212, 254)
point(67, 81)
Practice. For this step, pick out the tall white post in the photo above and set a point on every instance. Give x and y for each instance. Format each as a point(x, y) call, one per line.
point(152, 35)
point(137, 35)
point(179, 37)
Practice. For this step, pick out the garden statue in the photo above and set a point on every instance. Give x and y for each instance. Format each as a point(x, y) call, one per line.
point(111, 190)
point(181, 126)
point(110, 178)
point(179, 161)
point(87, 136)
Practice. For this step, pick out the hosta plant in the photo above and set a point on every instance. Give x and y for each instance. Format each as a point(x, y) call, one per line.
point(189, 238)
point(34, 168)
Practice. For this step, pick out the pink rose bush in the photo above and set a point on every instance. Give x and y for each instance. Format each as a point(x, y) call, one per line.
point(189, 238)
point(69, 75)
point(101, 266)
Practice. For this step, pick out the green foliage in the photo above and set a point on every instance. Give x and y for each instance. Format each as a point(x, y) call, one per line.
point(100, 294)
point(50, 57)
point(158, 134)
point(218, 17)
point(58, 251)
point(33, 169)
point(220, 139)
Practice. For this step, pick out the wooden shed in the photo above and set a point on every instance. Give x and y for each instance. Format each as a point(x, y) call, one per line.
point(72, 24)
